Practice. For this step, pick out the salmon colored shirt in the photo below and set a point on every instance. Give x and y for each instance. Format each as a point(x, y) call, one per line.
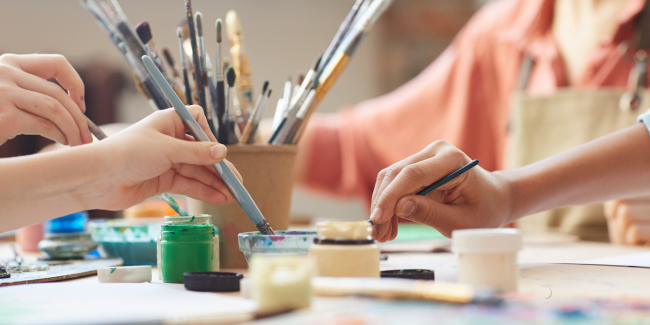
point(462, 97)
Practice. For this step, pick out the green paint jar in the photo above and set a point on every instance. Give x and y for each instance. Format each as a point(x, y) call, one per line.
point(187, 244)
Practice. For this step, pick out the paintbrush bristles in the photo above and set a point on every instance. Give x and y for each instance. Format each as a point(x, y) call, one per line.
point(144, 32)
point(188, 5)
point(168, 56)
point(199, 23)
point(219, 37)
point(230, 77)
point(266, 85)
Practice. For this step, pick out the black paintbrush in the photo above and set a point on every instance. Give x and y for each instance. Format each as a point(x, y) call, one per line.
point(198, 70)
point(222, 135)
point(443, 180)
point(231, 116)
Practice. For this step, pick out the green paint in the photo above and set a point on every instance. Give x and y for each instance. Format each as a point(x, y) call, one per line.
point(192, 218)
point(112, 270)
point(415, 232)
point(185, 248)
point(35, 105)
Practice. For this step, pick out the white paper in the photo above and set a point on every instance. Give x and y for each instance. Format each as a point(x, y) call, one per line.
point(635, 260)
point(112, 303)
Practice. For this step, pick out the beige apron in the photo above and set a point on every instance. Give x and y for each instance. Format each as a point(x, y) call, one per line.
point(542, 126)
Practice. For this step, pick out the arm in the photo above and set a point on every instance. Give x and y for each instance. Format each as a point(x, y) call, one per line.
point(148, 158)
point(611, 167)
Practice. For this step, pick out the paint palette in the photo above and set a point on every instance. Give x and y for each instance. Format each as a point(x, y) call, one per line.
point(283, 242)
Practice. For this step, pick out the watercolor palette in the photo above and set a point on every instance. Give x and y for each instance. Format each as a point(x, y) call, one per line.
point(283, 242)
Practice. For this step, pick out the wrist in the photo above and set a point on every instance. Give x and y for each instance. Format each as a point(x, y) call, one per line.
point(514, 195)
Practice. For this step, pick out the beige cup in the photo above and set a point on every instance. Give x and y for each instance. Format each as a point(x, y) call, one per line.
point(268, 176)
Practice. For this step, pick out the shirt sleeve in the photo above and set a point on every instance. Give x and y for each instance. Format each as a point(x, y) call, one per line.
point(454, 99)
point(645, 119)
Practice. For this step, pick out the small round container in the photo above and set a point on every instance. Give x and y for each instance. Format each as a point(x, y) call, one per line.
point(283, 242)
point(345, 249)
point(187, 244)
point(133, 240)
point(488, 257)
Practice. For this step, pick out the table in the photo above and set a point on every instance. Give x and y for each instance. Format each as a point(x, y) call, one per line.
point(544, 280)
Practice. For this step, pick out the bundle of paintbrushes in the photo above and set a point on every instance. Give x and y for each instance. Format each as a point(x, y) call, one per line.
point(226, 95)
point(293, 110)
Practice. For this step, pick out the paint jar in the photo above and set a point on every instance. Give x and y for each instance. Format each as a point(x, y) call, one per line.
point(488, 257)
point(280, 283)
point(345, 249)
point(187, 244)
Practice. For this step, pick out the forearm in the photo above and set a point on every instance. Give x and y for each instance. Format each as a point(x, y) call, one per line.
point(611, 167)
point(44, 186)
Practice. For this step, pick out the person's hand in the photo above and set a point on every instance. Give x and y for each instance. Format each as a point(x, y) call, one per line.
point(475, 199)
point(628, 221)
point(30, 104)
point(154, 156)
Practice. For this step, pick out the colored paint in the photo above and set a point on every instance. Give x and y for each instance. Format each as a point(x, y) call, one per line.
point(283, 242)
point(185, 248)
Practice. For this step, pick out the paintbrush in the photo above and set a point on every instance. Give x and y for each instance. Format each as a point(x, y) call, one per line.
point(283, 104)
point(333, 69)
point(174, 79)
point(443, 180)
point(230, 115)
point(199, 79)
point(222, 135)
point(204, 71)
point(258, 117)
point(100, 135)
point(227, 175)
point(146, 37)
point(281, 132)
point(240, 63)
point(340, 34)
point(186, 78)
point(251, 119)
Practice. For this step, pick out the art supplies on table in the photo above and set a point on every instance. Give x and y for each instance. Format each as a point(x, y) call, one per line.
point(63, 271)
point(124, 274)
point(133, 240)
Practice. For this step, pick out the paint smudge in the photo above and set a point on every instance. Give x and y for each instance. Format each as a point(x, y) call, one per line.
point(283, 242)
point(113, 269)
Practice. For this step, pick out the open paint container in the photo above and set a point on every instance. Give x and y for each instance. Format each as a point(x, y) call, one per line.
point(283, 242)
point(134, 240)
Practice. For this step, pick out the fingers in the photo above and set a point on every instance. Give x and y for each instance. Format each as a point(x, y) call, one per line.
point(195, 153)
point(408, 176)
point(38, 85)
point(197, 112)
point(50, 109)
point(26, 123)
point(628, 221)
point(638, 234)
point(424, 210)
point(54, 66)
point(197, 190)
point(207, 176)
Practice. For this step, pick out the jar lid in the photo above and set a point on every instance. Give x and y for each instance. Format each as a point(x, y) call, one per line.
point(358, 230)
point(418, 274)
point(199, 219)
point(485, 240)
point(212, 281)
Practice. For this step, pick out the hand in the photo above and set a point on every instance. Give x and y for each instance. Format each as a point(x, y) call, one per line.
point(155, 156)
point(628, 221)
point(475, 199)
point(29, 104)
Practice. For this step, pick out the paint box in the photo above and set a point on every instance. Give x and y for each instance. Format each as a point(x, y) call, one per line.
point(283, 242)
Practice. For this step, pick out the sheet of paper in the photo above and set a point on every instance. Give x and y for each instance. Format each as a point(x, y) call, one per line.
point(117, 303)
point(636, 260)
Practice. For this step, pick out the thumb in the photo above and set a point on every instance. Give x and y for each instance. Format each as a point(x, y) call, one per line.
point(197, 152)
point(427, 211)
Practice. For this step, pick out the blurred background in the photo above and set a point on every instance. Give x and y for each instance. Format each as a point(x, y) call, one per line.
point(282, 37)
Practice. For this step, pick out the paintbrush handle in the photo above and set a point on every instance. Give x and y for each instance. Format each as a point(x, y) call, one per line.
point(448, 178)
point(227, 175)
point(221, 112)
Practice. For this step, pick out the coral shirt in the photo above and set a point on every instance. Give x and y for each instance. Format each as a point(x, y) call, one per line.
point(462, 97)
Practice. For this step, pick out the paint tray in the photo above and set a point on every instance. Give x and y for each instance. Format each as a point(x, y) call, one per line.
point(133, 240)
point(283, 242)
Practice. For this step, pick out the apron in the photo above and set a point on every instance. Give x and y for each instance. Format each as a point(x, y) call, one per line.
point(542, 126)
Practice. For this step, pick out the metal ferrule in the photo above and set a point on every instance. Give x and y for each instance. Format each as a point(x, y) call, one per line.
point(265, 228)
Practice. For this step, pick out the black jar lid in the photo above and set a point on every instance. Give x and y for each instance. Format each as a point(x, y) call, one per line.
point(212, 281)
point(418, 274)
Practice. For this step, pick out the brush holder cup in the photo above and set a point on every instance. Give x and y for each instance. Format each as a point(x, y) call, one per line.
point(267, 171)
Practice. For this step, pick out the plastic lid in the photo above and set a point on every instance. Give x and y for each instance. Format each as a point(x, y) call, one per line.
point(126, 274)
point(358, 230)
point(199, 219)
point(486, 240)
point(212, 281)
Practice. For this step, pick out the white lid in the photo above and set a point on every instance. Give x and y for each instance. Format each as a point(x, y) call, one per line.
point(130, 274)
point(485, 240)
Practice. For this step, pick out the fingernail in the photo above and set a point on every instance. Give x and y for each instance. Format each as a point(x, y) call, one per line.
point(407, 209)
point(376, 216)
point(218, 151)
